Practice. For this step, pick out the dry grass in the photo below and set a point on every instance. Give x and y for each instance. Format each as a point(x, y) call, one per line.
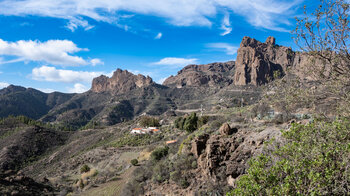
point(111, 188)
point(145, 155)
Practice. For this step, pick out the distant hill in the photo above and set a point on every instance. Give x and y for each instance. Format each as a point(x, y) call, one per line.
point(16, 100)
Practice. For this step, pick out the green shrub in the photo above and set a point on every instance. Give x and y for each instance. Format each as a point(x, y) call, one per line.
point(84, 169)
point(179, 122)
point(191, 123)
point(136, 140)
point(134, 162)
point(313, 161)
point(202, 121)
point(184, 183)
point(175, 176)
point(148, 121)
point(161, 171)
point(159, 153)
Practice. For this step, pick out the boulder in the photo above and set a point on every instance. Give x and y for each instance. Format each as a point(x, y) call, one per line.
point(225, 129)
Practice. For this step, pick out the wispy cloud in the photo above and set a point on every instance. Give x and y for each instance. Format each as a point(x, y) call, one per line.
point(176, 62)
point(78, 88)
point(4, 85)
point(267, 14)
point(96, 61)
point(51, 74)
point(226, 26)
point(159, 35)
point(75, 23)
point(224, 47)
point(55, 52)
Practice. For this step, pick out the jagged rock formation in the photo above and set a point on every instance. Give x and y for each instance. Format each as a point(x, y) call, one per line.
point(122, 81)
point(257, 61)
point(213, 75)
point(224, 158)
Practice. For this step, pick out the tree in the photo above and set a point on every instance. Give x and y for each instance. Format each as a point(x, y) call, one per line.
point(148, 121)
point(191, 123)
point(324, 34)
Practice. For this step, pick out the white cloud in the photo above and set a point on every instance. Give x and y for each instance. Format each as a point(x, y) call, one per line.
point(95, 62)
point(78, 88)
point(159, 35)
point(55, 52)
point(74, 23)
point(51, 74)
point(267, 14)
point(46, 90)
point(176, 62)
point(226, 26)
point(225, 47)
point(161, 80)
point(4, 85)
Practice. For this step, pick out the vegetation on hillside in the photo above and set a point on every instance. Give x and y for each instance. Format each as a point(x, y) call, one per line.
point(313, 161)
point(190, 123)
point(148, 121)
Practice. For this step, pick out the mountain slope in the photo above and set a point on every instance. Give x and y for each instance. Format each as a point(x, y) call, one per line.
point(16, 100)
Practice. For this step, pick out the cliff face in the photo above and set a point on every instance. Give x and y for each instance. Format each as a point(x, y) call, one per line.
point(214, 74)
point(255, 65)
point(256, 61)
point(122, 81)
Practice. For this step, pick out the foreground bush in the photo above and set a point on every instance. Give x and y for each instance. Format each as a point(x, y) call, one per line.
point(314, 161)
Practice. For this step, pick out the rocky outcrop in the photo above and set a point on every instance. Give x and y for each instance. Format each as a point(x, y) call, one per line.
point(256, 61)
point(199, 144)
point(225, 129)
point(122, 81)
point(12, 183)
point(214, 74)
point(223, 158)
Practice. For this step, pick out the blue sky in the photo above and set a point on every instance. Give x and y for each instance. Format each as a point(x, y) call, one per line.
point(60, 45)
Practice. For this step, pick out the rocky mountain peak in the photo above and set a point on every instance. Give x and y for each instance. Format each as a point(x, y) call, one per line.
point(121, 81)
point(256, 61)
point(270, 41)
point(213, 74)
point(11, 89)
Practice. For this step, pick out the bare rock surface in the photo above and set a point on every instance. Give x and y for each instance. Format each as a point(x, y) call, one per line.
point(225, 129)
point(122, 81)
point(256, 61)
point(211, 75)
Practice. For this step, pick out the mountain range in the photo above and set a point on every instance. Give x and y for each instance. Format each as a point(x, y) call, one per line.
point(125, 95)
